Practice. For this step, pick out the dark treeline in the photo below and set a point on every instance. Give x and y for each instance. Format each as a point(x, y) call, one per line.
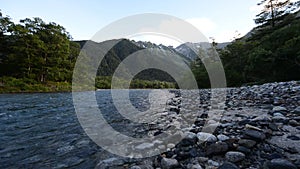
point(39, 56)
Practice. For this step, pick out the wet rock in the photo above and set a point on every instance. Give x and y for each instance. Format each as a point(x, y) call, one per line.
point(234, 156)
point(247, 143)
point(194, 166)
point(206, 137)
point(248, 126)
point(279, 163)
point(144, 146)
point(294, 123)
point(111, 162)
point(280, 119)
point(168, 163)
point(279, 109)
point(243, 149)
point(222, 137)
point(297, 110)
point(255, 135)
point(228, 165)
point(216, 148)
point(293, 137)
point(190, 139)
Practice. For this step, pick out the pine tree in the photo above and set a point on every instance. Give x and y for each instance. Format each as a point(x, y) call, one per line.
point(273, 10)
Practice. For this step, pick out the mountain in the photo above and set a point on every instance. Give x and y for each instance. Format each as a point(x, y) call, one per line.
point(190, 50)
point(123, 49)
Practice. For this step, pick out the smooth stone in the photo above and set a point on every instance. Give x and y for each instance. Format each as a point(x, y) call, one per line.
point(279, 163)
point(234, 156)
point(206, 137)
point(297, 110)
point(279, 109)
point(263, 118)
point(190, 139)
point(278, 114)
point(247, 143)
point(293, 123)
point(228, 165)
point(254, 134)
point(171, 145)
point(222, 137)
point(243, 149)
point(194, 166)
point(216, 148)
point(168, 163)
point(213, 163)
point(144, 146)
point(248, 126)
point(293, 137)
point(110, 163)
point(210, 128)
point(280, 119)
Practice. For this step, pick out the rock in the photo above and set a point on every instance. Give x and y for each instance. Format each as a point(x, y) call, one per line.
point(135, 167)
point(297, 110)
point(279, 163)
point(278, 114)
point(243, 149)
point(234, 156)
point(194, 166)
point(206, 137)
point(247, 143)
point(222, 137)
point(213, 163)
point(190, 139)
point(111, 162)
point(248, 126)
point(170, 145)
point(293, 137)
point(144, 146)
point(228, 165)
point(216, 148)
point(263, 118)
point(294, 123)
point(169, 163)
point(280, 119)
point(255, 135)
point(279, 109)
point(210, 128)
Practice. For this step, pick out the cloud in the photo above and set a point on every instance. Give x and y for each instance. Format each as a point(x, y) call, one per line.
point(205, 25)
point(157, 39)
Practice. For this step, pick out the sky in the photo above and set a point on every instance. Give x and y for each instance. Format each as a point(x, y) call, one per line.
point(220, 19)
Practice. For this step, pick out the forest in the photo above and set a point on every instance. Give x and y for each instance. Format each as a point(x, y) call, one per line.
point(36, 56)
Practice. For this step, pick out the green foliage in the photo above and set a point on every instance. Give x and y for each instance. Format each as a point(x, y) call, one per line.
point(104, 82)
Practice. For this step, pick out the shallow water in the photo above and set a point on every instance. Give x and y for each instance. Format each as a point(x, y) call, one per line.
point(42, 130)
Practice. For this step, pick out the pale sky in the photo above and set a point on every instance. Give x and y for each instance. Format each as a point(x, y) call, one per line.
point(214, 18)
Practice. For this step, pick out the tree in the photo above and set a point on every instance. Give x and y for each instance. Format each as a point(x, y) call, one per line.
point(272, 11)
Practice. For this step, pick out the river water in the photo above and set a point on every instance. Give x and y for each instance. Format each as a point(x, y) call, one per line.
point(42, 130)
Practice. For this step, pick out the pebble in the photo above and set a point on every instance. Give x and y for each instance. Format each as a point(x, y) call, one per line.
point(228, 165)
point(168, 163)
point(247, 143)
point(216, 148)
point(222, 137)
point(253, 134)
point(279, 163)
point(234, 156)
point(206, 137)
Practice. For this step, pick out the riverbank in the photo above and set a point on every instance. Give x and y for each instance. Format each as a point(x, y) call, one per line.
point(15, 85)
point(259, 128)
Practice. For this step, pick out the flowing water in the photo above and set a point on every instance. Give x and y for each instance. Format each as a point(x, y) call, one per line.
point(42, 130)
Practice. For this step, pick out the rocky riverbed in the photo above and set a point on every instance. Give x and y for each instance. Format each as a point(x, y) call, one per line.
point(259, 127)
